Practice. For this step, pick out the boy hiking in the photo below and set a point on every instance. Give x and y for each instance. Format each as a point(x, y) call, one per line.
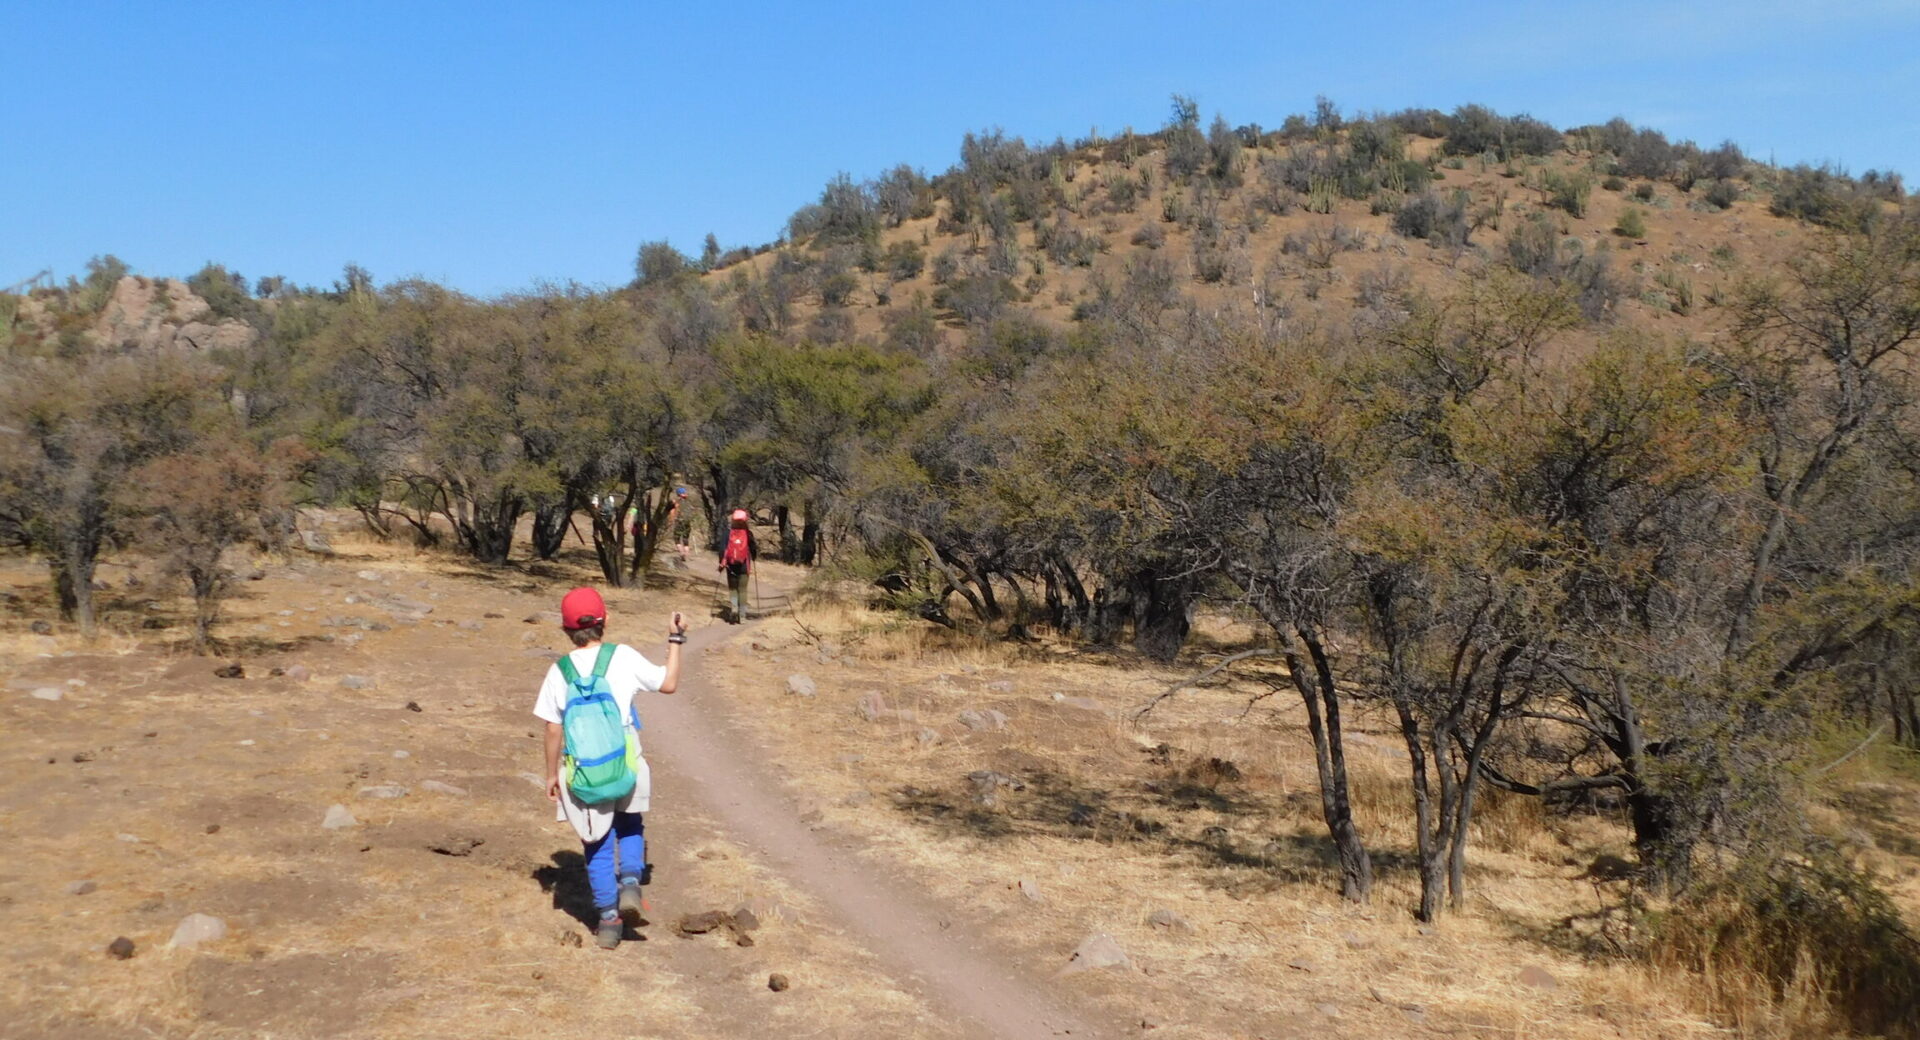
point(736, 559)
point(596, 776)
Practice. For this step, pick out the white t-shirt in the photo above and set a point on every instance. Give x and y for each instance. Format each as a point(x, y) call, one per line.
point(627, 674)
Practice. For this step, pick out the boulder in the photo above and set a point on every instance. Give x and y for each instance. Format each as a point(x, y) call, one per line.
point(195, 929)
point(299, 672)
point(383, 791)
point(120, 949)
point(1538, 977)
point(871, 706)
point(338, 817)
point(1168, 921)
point(1098, 950)
point(801, 685)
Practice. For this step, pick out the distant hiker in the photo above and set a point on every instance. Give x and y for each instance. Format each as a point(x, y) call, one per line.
point(596, 776)
point(737, 560)
point(682, 518)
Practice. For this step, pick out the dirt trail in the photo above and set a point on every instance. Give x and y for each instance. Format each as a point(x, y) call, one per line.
point(702, 756)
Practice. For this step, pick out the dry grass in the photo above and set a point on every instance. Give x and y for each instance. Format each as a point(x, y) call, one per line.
point(1244, 859)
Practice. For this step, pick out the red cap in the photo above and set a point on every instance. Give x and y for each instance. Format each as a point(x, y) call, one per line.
point(582, 608)
point(739, 514)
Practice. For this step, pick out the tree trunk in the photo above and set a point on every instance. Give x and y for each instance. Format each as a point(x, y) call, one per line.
point(719, 505)
point(550, 527)
point(1322, 699)
point(810, 536)
point(1162, 614)
point(73, 571)
point(789, 546)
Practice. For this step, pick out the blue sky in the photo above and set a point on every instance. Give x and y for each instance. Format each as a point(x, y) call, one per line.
point(493, 146)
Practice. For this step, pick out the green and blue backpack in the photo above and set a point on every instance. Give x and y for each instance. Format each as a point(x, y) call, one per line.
point(600, 748)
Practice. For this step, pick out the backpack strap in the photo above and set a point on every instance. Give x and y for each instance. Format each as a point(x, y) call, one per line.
point(606, 658)
point(567, 670)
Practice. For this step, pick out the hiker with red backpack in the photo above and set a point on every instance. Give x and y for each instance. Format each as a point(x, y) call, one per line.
point(596, 776)
point(736, 559)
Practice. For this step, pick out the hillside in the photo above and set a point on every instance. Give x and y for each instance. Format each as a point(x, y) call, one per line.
point(1416, 573)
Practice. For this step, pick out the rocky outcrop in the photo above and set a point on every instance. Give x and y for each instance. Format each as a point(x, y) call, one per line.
point(155, 314)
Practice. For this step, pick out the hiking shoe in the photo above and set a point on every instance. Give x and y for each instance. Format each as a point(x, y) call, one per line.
point(610, 932)
point(633, 905)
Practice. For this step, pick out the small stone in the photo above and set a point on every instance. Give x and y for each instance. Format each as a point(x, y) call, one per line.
point(47, 693)
point(83, 756)
point(356, 682)
point(1356, 941)
point(801, 685)
point(857, 799)
point(983, 719)
point(299, 673)
point(871, 706)
point(1538, 977)
point(383, 791)
point(195, 929)
point(120, 949)
point(704, 922)
point(131, 839)
point(744, 919)
point(367, 575)
point(927, 737)
point(438, 787)
point(41, 628)
point(414, 706)
point(1098, 950)
point(570, 938)
point(338, 817)
point(81, 888)
point(457, 846)
point(1167, 920)
point(1030, 889)
point(402, 754)
point(1301, 965)
point(1002, 686)
point(472, 626)
point(230, 671)
point(1082, 815)
point(777, 982)
point(1328, 1010)
point(213, 828)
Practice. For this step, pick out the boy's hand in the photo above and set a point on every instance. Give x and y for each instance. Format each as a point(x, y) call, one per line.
point(677, 626)
point(553, 788)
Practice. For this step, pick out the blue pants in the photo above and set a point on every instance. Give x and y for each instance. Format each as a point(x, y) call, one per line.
point(629, 838)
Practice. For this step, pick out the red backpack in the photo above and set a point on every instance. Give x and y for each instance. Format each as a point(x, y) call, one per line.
point(736, 555)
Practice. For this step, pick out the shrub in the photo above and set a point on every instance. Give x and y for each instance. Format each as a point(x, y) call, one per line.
point(1643, 191)
point(1724, 162)
point(903, 260)
point(1187, 152)
point(1425, 216)
point(1722, 194)
point(1150, 236)
point(1614, 183)
point(1818, 195)
point(1632, 224)
point(658, 263)
point(1478, 130)
point(1569, 191)
point(946, 266)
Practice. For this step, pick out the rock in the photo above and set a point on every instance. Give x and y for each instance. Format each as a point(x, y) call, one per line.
point(744, 919)
point(404, 754)
point(927, 737)
point(1301, 965)
point(778, 983)
point(1328, 1010)
point(457, 846)
point(472, 626)
point(367, 575)
point(195, 929)
point(47, 693)
point(1096, 951)
point(493, 614)
point(83, 756)
point(801, 685)
point(704, 922)
point(1356, 941)
point(357, 682)
point(871, 706)
point(443, 788)
point(1082, 815)
point(1168, 921)
point(1538, 977)
point(383, 791)
point(1001, 686)
point(983, 719)
point(414, 706)
point(131, 839)
point(316, 543)
point(1030, 889)
point(120, 949)
point(41, 628)
point(81, 888)
point(338, 817)
point(231, 671)
point(570, 938)
point(212, 828)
